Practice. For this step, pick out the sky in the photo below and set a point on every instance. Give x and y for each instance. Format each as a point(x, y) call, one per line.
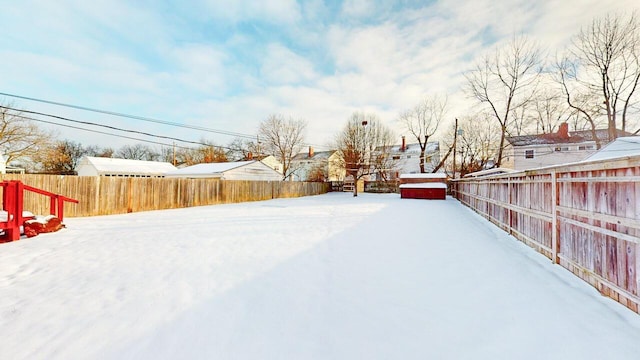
point(227, 65)
point(270, 280)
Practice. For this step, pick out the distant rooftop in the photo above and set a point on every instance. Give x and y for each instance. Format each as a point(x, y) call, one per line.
point(556, 138)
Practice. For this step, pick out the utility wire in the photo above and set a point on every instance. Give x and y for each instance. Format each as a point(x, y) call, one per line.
point(110, 127)
point(106, 133)
point(142, 118)
point(136, 117)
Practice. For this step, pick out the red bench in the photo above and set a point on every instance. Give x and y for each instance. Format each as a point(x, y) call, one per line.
point(13, 203)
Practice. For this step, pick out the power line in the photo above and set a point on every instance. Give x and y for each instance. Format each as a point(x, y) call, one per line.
point(106, 133)
point(108, 127)
point(135, 117)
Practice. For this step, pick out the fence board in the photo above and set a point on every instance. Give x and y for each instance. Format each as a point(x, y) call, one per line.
point(586, 217)
point(114, 195)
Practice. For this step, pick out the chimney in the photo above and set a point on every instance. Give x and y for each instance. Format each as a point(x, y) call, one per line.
point(249, 155)
point(310, 151)
point(563, 131)
point(403, 147)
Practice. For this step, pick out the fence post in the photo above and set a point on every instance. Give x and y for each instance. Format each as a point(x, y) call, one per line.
point(555, 226)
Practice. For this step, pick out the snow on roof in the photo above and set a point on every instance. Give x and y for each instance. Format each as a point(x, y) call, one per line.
point(432, 146)
point(489, 172)
point(620, 147)
point(317, 155)
point(209, 168)
point(424, 186)
point(578, 136)
point(128, 166)
point(424, 176)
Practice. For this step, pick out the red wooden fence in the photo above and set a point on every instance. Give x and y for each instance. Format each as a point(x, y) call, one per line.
point(584, 217)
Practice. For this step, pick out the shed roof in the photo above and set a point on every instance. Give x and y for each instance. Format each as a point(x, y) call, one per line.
point(128, 166)
point(620, 147)
point(210, 168)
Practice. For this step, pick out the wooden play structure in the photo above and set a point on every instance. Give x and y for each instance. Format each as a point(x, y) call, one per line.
point(13, 203)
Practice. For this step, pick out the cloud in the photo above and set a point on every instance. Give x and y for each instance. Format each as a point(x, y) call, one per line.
point(283, 66)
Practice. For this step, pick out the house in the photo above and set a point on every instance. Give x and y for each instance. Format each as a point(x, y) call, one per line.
point(405, 158)
point(620, 147)
point(534, 151)
point(239, 170)
point(272, 162)
point(102, 166)
point(308, 164)
point(8, 169)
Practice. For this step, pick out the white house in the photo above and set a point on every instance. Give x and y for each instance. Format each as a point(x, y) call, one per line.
point(405, 159)
point(328, 162)
point(239, 170)
point(273, 163)
point(534, 151)
point(408, 157)
point(102, 166)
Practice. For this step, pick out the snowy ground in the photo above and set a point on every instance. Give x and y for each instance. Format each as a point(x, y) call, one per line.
point(324, 277)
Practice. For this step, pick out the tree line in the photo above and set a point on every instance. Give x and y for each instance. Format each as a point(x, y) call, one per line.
point(518, 88)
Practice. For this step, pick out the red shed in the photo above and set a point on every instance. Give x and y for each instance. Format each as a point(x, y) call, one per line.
point(423, 186)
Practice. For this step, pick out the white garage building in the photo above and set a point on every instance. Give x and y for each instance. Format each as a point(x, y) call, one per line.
point(239, 170)
point(101, 166)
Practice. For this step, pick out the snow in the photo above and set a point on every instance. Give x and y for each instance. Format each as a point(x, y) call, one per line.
point(4, 215)
point(125, 166)
point(620, 147)
point(324, 277)
point(209, 168)
point(424, 186)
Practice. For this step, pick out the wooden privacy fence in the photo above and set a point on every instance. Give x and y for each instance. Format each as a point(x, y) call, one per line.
point(584, 217)
point(115, 195)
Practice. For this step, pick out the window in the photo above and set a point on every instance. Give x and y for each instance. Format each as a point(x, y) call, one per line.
point(564, 148)
point(585, 147)
point(528, 154)
point(396, 157)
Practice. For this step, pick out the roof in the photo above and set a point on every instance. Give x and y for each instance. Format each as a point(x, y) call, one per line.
point(432, 146)
point(210, 168)
point(318, 155)
point(128, 166)
point(424, 186)
point(554, 138)
point(489, 172)
point(424, 176)
point(620, 147)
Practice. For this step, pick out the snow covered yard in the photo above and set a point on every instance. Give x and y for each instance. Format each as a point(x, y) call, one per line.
point(323, 277)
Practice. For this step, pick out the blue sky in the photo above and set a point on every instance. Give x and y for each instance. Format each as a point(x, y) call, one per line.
point(227, 65)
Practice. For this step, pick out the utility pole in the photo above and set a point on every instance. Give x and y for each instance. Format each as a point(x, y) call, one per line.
point(455, 139)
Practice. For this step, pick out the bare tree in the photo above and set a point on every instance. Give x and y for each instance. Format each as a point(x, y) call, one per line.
point(549, 110)
point(20, 137)
point(283, 138)
point(243, 149)
point(206, 153)
point(604, 60)
point(506, 80)
point(580, 98)
point(61, 157)
point(477, 143)
point(422, 121)
point(137, 152)
point(364, 145)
